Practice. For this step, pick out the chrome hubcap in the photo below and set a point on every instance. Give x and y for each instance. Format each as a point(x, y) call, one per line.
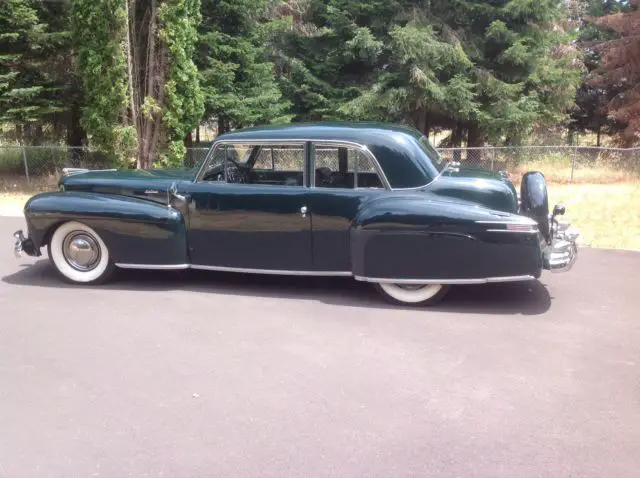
point(412, 286)
point(81, 251)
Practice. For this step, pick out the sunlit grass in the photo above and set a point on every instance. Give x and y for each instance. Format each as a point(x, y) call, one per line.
point(608, 215)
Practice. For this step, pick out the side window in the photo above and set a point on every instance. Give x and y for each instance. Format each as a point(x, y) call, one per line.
point(279, 165)
point(267, 164)
point(344, 168)
point(224, 158)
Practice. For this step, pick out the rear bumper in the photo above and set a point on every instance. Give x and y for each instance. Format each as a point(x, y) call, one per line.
point(24, 245)
point(562, 254)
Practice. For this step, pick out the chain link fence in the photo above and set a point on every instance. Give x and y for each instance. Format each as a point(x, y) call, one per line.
point(560, 164)
point(37, 167)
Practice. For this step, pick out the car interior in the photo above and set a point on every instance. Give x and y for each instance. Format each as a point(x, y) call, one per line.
point(283, 166)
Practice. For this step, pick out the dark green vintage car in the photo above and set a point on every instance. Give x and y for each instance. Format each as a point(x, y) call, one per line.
point(369, 201)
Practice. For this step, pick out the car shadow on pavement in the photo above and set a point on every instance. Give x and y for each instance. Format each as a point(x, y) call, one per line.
point(523, 298)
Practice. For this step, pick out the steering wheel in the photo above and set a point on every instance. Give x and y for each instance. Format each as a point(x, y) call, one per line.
point(323, 176)
point(234, 173)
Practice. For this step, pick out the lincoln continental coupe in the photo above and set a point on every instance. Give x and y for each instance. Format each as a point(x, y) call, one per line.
point(374, 202)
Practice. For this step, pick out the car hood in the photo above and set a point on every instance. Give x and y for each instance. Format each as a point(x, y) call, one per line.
point(151, 184)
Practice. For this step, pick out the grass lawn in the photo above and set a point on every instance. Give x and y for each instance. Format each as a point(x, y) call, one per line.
point(607, 215)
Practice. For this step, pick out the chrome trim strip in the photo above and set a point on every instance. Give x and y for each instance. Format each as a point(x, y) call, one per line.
point(445, 281)
point(324, 274)
point(72, 171)
point(505, 222)
point(513, 231)
point(154, 266)
point(272, 272)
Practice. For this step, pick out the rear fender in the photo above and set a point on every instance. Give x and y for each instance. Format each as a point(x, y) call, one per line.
point(421, 238)
point(134, 230)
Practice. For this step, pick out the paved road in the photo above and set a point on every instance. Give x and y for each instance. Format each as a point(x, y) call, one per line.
point(187, 374)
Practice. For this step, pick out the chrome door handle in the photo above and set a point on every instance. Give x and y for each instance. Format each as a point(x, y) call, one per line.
point(303, 211)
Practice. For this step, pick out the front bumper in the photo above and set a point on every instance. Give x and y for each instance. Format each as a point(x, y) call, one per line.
point(563, 251)
point(24, 245)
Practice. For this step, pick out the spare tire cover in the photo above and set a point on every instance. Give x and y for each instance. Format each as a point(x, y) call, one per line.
point(535, 200)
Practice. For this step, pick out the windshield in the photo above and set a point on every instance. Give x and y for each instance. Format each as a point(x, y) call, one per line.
point(438, 161)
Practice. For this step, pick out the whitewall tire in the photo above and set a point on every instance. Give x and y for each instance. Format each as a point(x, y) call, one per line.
point(417, 295)
point(79, 254)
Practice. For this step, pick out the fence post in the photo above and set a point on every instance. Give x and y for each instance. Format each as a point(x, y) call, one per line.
point(26, 165)
point(493, 157)
point(573, 161)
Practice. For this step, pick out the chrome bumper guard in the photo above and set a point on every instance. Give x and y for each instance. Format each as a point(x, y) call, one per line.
point(563, 251)
point(23, 245)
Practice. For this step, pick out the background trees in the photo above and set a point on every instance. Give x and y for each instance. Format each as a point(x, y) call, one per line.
point(616, 72)
point(484, 70)
point(36, 86)
point(134, 78)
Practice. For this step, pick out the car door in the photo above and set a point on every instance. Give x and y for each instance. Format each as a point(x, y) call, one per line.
point(344, 178)
point(251, 215)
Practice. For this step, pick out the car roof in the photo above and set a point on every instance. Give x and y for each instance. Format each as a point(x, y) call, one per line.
point(367, 133)
point(395, 147)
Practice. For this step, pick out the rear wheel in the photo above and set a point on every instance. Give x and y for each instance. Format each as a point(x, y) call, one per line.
point(79, 254)
point(412, 294)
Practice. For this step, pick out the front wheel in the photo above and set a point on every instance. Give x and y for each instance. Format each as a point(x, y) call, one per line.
point(412, 294)
point(79, 254)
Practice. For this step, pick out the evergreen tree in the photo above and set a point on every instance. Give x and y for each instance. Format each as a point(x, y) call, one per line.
point(98, 36)
point(236, 77)
point(140, 82)
point(31, 80)
point(485, 70)
point(613, 83)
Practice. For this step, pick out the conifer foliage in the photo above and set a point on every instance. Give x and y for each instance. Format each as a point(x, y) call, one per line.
point(620, 69)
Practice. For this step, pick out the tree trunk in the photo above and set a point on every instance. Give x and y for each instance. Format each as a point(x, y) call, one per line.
point(456, 140)
point(151, 68)
point(188, 143)
point(38, 135)
point(598, 135)
point(457, 135)
point(475, 137)
point(198, 135)
point(131, 87)
point(76, 135)
point(221, 125)
point(421, 120)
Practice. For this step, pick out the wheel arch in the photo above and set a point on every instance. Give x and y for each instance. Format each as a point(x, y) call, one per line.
point(421, 237)
point(134, 230)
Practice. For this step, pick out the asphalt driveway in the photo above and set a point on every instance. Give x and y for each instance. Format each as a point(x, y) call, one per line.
point(220, 375)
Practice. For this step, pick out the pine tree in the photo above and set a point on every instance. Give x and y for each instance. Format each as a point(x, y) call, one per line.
point(31, 81)
point(619, 69)
point(486, 70)
point(236, 77)
point(590, 113)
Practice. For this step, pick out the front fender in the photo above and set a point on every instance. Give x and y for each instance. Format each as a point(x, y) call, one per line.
point(417, 237)
point(135, 231)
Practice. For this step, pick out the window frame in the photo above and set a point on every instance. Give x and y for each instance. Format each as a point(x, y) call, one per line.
point(255, 143)
point(346, 144)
